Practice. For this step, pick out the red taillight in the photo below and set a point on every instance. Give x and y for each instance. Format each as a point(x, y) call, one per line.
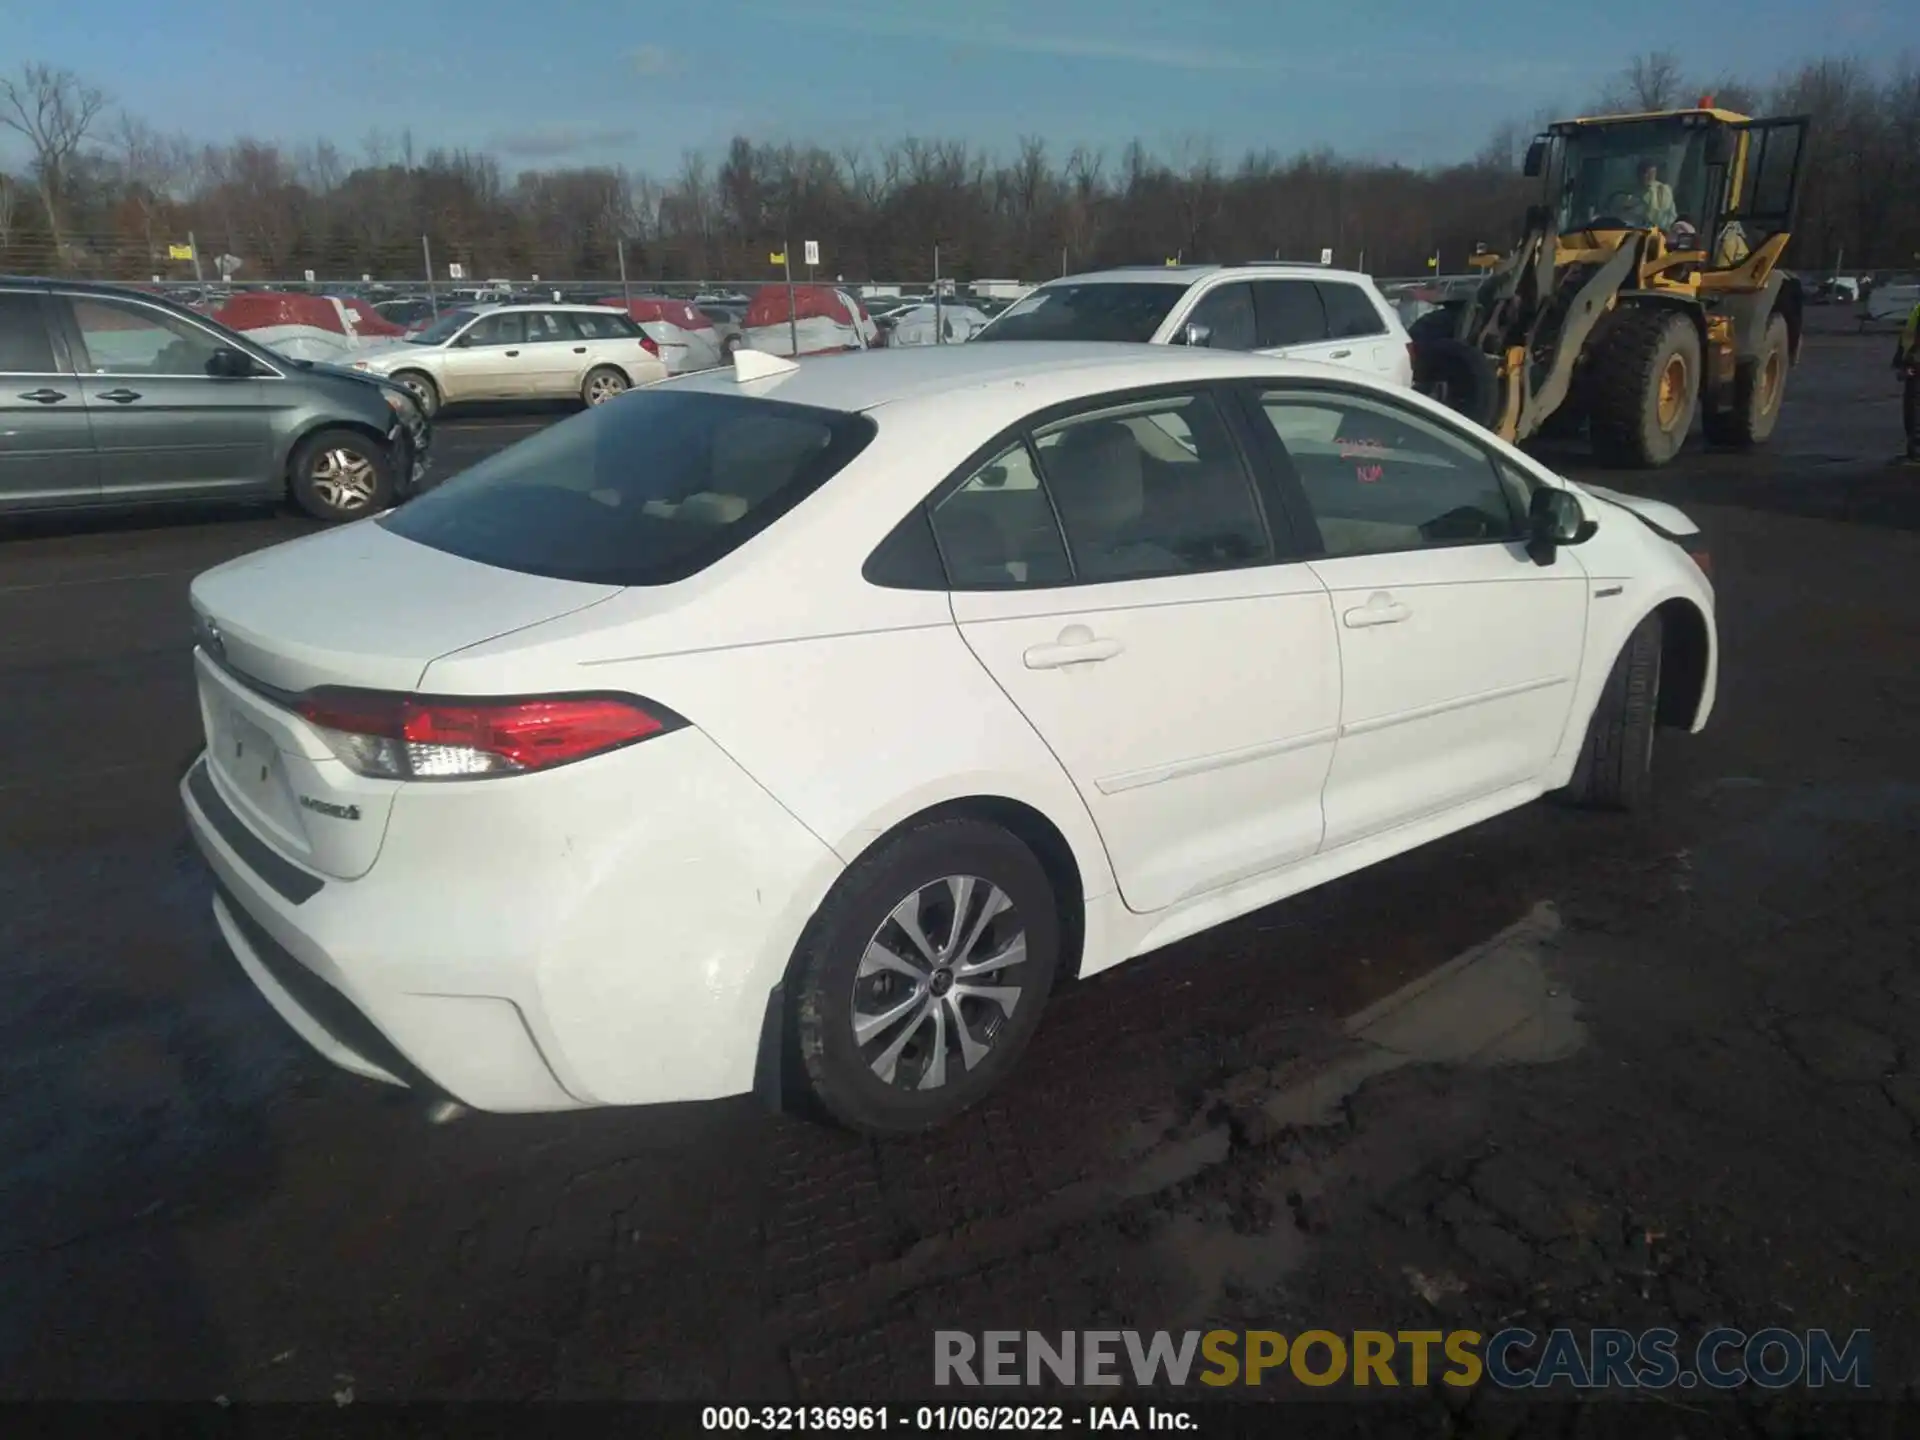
point(1703, 560)
point(646, 343)
point(408, 737)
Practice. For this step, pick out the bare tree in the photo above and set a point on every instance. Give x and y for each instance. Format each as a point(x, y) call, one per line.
point(1652, 81)
point(153, 168)
point(6, 211)
point(55, 113)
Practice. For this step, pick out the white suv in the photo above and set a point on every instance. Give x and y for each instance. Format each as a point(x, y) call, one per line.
point(1306, 312)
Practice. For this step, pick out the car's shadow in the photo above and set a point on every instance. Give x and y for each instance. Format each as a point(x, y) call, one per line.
point(176, 515)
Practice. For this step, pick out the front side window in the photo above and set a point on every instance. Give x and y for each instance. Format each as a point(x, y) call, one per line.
point(450, 324)
point(1379, 479)
point(1155, 488)
point(1636, 173)
point(123, 338)
point(506, 327)
point(1227, 313)
point(645, 491)
point(1117, 310)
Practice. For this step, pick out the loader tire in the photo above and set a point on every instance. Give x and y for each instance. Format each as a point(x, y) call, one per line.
point(1758, 390)
point(1459, 377)
point(1643, 384)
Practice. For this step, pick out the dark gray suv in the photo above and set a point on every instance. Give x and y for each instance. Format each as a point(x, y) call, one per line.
point(110, 396)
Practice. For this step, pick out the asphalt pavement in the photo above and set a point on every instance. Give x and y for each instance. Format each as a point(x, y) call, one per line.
point(1713, 1118)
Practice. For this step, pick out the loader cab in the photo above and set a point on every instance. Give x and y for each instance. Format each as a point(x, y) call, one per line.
point(1632, 174)
point(1705, 177)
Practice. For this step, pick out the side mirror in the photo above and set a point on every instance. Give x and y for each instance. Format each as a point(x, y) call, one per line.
point(1536, 162)
point(1199, 336)
point(226, 364)
point(1554, 518)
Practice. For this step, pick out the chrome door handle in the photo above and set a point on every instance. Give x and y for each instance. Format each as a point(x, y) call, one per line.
point(1380, 609)
point(44, 395)
point(1077, 645)
point(119, 397)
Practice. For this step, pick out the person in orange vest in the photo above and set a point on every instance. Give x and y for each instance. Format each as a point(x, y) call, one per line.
point(1906, 359)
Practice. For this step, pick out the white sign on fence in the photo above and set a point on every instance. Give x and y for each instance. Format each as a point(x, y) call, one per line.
point(365, 278)
point(456, 272)
point(1326, 257)
point(536, 279)
point(813, 252)
point(309, 277)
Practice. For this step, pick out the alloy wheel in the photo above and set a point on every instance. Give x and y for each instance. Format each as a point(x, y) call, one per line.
point(603, 388)
point(344, 480)
point(938, 983)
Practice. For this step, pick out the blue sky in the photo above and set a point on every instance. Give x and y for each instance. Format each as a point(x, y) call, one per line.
point(565, 81)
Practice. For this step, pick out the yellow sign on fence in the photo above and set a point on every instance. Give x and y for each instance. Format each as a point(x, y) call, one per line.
point(779, 257)
point(179, 252)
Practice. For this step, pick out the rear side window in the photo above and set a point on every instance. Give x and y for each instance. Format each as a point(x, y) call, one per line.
point(1290, 313)
point(25, 348)
point(647, 490)
point(1350, 314)
point(609, 326)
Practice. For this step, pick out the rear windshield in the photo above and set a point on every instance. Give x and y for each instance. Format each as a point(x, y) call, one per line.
point(1109, 311)
point(647, 489)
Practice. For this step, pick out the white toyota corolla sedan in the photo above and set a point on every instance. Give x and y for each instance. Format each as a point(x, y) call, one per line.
point(812, 721)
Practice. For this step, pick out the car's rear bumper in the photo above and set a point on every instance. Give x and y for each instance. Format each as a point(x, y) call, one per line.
point(541, 943)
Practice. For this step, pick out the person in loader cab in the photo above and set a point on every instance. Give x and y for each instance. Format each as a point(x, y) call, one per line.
point(1906, 359)
point(1656, 197)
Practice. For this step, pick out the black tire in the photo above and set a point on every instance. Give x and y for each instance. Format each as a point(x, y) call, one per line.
point(1615, 768)
point(1459, 377)
point(728, 346)
point(829, 966)
point(603, 383)
point(341, 475)
point(1625, 378)
point(1758, 390)
point(423, 389)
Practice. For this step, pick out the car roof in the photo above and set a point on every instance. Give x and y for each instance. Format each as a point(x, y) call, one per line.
point(1184, 275)
point(865, 380)
point(492, 307)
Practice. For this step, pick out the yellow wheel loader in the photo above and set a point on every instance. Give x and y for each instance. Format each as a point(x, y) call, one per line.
point(1647, 284)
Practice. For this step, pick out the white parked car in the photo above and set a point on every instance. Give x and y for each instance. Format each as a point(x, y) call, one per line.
point(883, 695)
point(1307, 312)
point(519, 352)
point(947, 324)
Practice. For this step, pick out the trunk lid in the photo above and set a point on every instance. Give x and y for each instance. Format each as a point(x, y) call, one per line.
point(355, 607)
